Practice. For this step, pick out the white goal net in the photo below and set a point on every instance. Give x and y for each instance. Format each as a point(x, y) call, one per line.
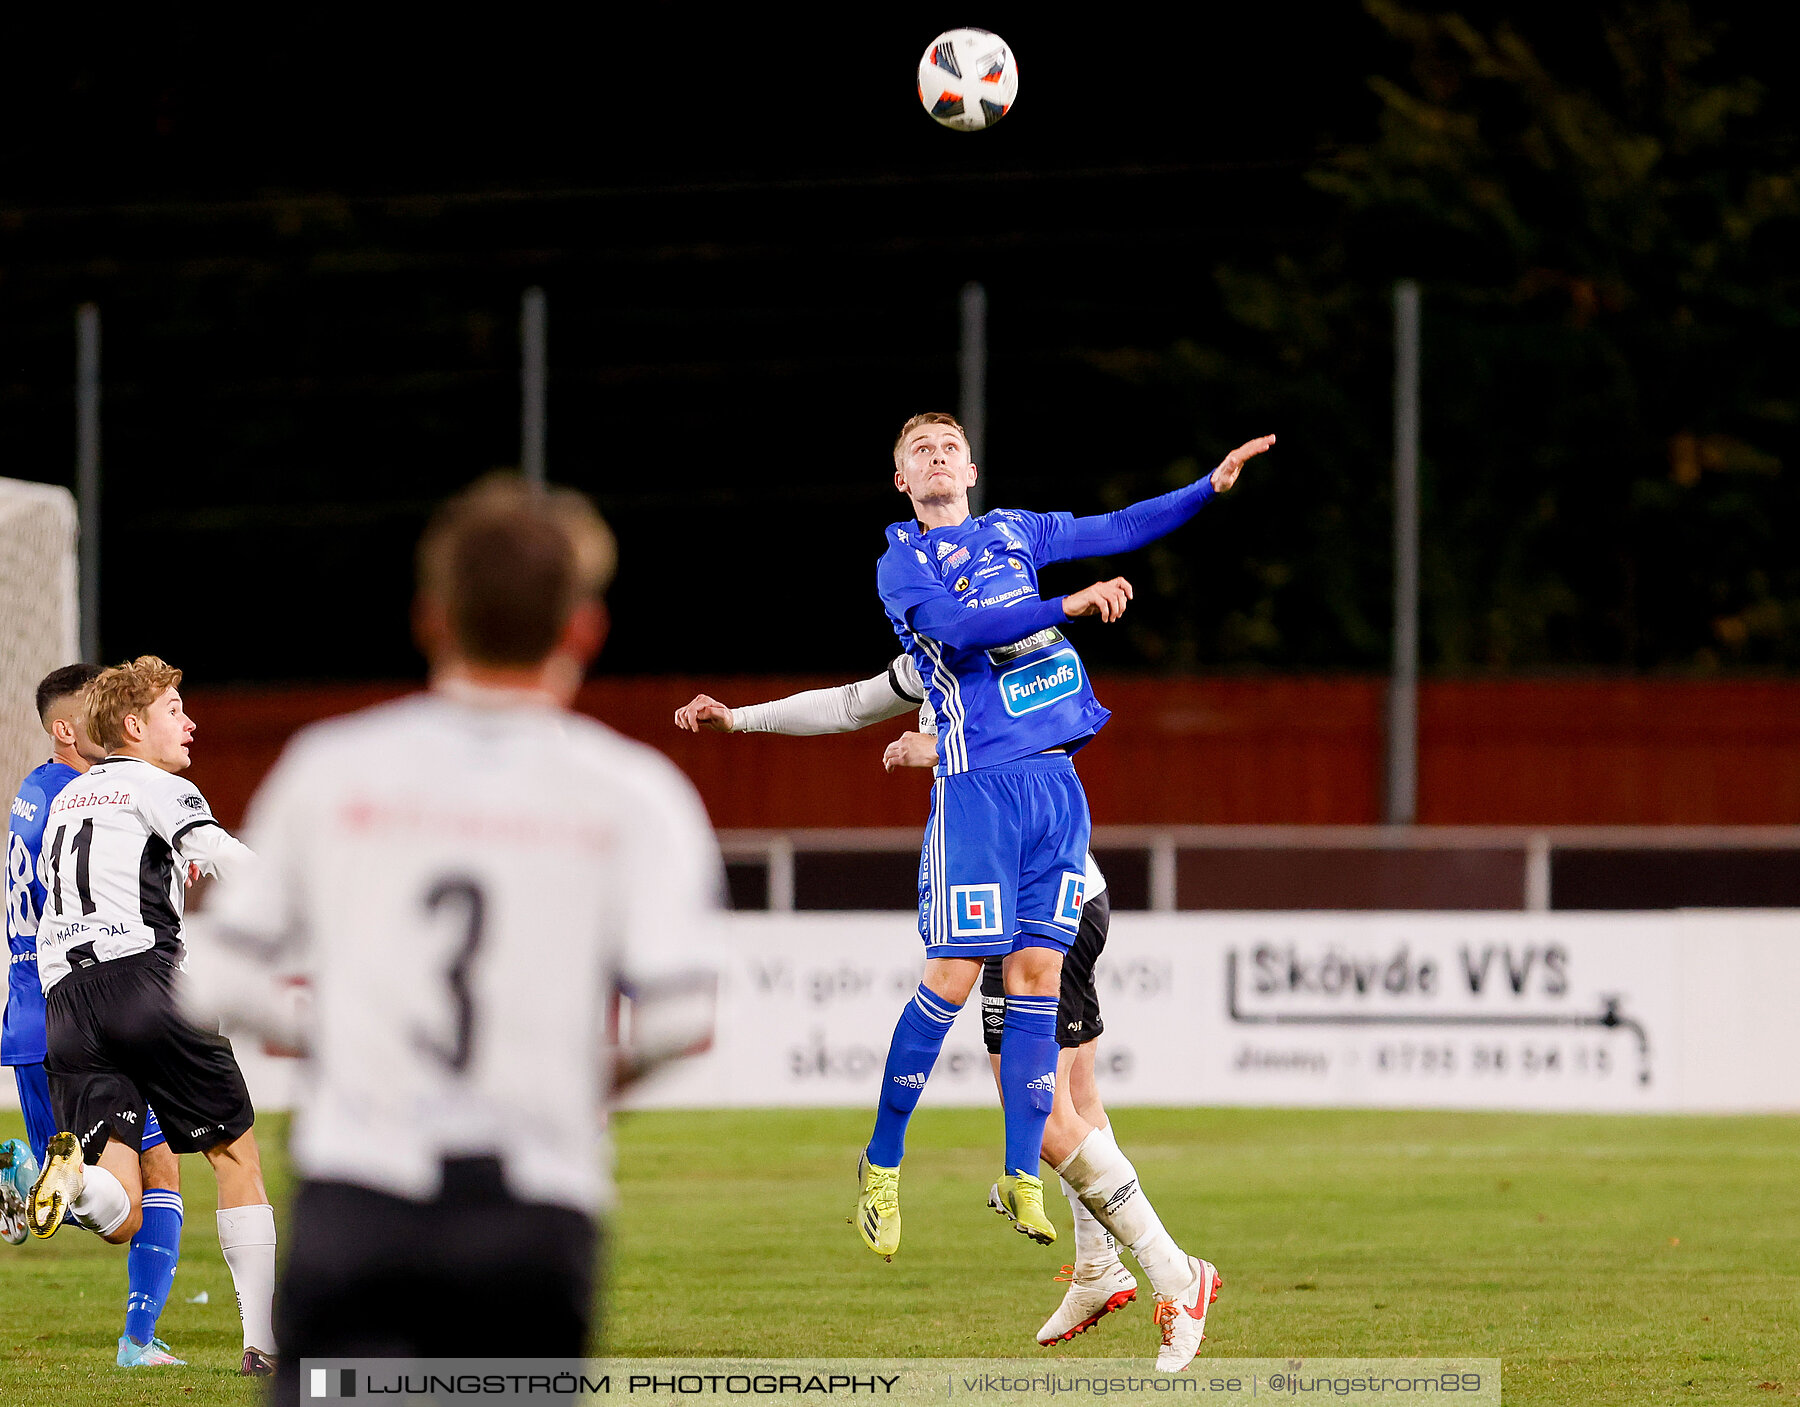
point(39, 614)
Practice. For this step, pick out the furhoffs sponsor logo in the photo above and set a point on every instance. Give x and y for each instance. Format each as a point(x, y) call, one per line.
point(1041, 683)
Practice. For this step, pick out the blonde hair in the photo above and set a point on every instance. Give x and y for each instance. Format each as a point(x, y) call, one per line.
point(509, 562)
point(122, 691)
point(929, 417)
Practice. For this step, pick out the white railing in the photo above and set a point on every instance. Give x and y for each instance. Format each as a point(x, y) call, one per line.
point(777, 849)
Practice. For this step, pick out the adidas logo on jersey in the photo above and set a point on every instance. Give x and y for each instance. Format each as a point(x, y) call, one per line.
point(910, 1081)
point(1045, 1082)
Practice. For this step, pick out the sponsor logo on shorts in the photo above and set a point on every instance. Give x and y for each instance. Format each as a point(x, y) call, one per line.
point(202, 1131)
point(129, 1116)
point(1041, 683)
point(975, 911)
point(91, 1132)
point(1070, 898)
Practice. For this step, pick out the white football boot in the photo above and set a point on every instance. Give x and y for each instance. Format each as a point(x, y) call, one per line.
point(12, 1216)
point(1183, 1319)
point(1091, 1297)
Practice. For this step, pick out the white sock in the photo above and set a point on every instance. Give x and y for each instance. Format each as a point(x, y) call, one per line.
point(1108, 1185)
point(1094, 1245)
point(247, 1236)
point(103, 1203)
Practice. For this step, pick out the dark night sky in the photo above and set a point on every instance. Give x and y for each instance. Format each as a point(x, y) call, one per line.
point(308, 238)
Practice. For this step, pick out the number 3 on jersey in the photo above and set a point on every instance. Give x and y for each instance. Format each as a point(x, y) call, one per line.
point(457, 891)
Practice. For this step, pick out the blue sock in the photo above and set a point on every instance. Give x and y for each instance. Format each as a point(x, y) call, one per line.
point(150, 1266)
point(918, 1037)
point(1027, 1078)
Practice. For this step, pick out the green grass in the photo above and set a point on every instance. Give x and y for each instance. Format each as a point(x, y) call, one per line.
point(1604, 1260)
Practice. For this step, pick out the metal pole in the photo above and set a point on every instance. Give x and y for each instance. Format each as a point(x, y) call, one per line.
point(972, 365)
point(1403, 688)
point(532, 371)
point(87, 472)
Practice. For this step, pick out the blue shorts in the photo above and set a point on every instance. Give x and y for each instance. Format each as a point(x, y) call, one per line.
point(1004, 865)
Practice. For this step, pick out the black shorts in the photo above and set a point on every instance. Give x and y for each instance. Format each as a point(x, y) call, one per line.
point(119, 1043)
point(1077, 1004)
point(372, 1275)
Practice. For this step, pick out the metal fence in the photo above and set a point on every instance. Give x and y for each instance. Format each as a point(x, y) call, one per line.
point(1176, 868)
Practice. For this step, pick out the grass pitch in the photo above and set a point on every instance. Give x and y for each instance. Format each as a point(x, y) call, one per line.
point(1604, 1260)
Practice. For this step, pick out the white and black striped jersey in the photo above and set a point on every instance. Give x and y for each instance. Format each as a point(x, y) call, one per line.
point(464, 878)
point(113, 864)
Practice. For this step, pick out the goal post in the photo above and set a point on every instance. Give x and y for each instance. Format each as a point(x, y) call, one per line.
point(40, 616)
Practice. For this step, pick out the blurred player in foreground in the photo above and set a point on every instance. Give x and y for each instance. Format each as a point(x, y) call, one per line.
point(117, 853)
point(156, 1245)
point(1109, 1205)
point(466, 878)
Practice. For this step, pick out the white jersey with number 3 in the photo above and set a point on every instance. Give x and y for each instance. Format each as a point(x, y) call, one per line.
point(463, 877)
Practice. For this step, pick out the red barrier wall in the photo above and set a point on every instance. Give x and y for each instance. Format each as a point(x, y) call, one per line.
point(1293, 750)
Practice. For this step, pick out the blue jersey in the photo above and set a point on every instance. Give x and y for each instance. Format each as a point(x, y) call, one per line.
point(1003, 678)
point(22, 1033)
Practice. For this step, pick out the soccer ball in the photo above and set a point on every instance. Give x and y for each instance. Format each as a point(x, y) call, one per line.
point(968, 79)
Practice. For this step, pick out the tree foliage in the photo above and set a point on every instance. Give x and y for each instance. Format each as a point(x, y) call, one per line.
point(1603, 208)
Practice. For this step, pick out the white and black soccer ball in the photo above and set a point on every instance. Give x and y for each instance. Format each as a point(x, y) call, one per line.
point(968, 79)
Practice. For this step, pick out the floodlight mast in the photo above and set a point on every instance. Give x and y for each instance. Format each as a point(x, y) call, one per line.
point(1403, 686)
point(87, 472)
point(972, 366)
point(533, 372)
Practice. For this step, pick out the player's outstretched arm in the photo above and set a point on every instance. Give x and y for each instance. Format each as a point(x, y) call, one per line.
point(843, 709)
point(1232, 464)
point(1142, 523)
point(704, 711)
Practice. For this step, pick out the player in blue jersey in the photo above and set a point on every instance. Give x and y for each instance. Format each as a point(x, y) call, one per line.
point(1110, 1206)
point(1002, 869)
point(156, 1245)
